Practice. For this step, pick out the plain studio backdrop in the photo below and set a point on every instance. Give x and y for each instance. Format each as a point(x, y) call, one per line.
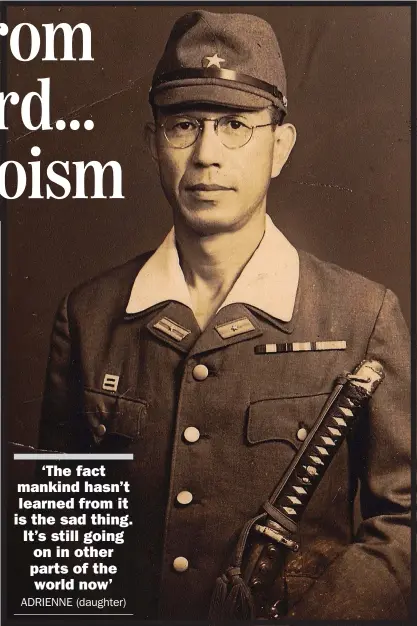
point(344, 194)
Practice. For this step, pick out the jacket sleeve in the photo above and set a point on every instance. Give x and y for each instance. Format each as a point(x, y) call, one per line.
point(370, 579)
point(61, 427)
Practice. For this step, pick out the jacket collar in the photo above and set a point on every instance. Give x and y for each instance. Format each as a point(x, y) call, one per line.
point(268, 282)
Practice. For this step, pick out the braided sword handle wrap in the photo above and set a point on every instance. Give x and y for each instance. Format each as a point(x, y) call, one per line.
point(342, 416)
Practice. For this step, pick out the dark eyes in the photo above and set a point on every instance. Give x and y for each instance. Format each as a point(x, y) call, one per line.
point(234, 124)
point(226, 123)
point(185, 125)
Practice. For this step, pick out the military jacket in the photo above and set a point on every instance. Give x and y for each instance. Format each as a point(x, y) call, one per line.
point(213, 424)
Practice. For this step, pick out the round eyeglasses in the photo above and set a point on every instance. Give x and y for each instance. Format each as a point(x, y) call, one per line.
point(183, 131)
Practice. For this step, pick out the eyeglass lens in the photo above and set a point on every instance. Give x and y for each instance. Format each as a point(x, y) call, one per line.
point(182, 132)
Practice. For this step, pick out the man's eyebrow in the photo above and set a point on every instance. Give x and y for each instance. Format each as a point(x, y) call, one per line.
point(238, 114)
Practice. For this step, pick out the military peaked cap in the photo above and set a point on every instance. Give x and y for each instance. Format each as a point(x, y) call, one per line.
point(228, 59)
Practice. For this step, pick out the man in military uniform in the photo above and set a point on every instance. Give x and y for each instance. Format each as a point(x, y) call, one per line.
point(211, 358)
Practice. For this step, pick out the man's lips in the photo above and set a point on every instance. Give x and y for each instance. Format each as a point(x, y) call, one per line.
point(204, 187)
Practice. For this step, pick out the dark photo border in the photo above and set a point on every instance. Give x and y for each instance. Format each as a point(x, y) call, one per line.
point(6, 320)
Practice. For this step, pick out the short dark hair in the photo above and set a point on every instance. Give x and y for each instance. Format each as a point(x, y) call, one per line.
point(277, 116)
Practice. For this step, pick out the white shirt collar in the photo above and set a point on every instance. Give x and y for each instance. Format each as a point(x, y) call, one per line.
point(268, 281)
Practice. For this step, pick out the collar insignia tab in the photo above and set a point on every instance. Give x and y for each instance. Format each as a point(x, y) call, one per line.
point(171, 328)
point(235, 327)
point(301, 346)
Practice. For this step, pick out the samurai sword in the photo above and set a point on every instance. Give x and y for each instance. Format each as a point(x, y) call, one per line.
point(266, 540)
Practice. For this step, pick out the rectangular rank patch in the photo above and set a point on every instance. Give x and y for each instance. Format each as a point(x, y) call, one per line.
point(111, 382)
point(171, 328)
point(235, 327)
point(301, 346)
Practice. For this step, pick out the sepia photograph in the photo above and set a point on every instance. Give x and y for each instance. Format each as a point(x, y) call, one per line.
point(207, 244)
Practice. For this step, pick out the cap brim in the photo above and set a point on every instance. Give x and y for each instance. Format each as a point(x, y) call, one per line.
point(236, 96)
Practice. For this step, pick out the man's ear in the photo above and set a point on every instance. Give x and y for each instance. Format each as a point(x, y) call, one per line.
point(150, 136)
point(285, 137)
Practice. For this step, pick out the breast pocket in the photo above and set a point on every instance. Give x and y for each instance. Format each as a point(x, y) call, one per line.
point(114, 421)
point(285, 420)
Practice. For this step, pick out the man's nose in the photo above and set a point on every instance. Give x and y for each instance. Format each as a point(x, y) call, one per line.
point(208, 147)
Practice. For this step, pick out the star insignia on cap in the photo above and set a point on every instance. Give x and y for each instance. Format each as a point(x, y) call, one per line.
point(214, 61)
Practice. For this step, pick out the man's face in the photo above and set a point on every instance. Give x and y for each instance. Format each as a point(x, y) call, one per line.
point(213, 188)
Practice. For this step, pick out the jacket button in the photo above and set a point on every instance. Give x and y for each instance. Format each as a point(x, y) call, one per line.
point(184, 497)
point(191, 434)
point(301, 434)
point(200, 372)
point(180, 564)
point(101, 430)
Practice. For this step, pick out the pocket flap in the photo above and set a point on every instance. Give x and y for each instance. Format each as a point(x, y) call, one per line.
point(283, 419)
point(112, 415)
